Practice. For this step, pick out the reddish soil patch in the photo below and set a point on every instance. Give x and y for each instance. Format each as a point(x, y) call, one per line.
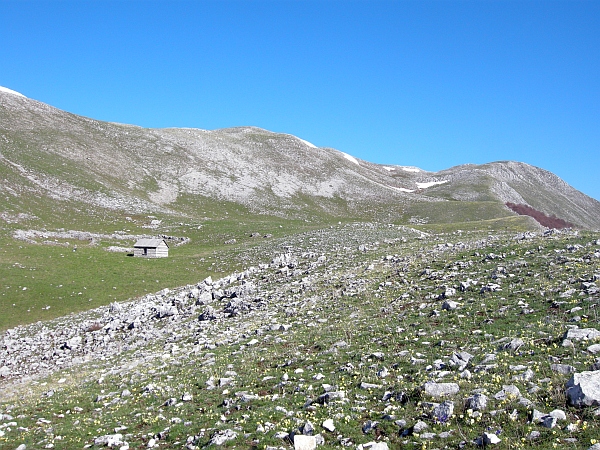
point(540, 217)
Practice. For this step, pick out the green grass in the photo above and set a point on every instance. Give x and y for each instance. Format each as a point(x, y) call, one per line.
point(457, 212)
point(504, 224)
point(39, 276)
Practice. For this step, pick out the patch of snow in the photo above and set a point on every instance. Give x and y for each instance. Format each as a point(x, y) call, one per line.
point(306, 142)
point(411, 169)
point(350, 158)
point(406, 190)
point(430, 183)
point(10, 91)
point(389, 169)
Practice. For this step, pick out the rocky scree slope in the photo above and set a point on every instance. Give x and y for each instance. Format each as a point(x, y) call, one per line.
point(366, 336)
point(46, 151)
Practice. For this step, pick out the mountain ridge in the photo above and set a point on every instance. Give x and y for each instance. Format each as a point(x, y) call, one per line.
point(63, 155)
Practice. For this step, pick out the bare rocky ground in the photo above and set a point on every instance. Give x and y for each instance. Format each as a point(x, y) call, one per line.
point(363, 336)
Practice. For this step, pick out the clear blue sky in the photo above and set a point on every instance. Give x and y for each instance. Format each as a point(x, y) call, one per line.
point(426, 83)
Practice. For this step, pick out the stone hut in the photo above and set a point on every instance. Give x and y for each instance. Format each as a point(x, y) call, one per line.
point(151, 248)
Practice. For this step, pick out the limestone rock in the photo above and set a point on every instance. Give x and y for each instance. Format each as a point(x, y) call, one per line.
point(583, 389)
point(365, 385)
point(449, 305)
point(419, 426)
point(303, 442)
point(563, 369)
point(109, 440)
point(308, 429)
point(595, 348)
point(477, 402)
point(73, 343)
point(328, 425)
point(514, 345)
point(436, 390)
point(507, 392)
point(373, 446)
point(461, 359)
point(490, 439)
point(579, 334)
point(222, 436)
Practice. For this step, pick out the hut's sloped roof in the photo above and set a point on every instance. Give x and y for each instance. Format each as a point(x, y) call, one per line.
point(149, 243)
